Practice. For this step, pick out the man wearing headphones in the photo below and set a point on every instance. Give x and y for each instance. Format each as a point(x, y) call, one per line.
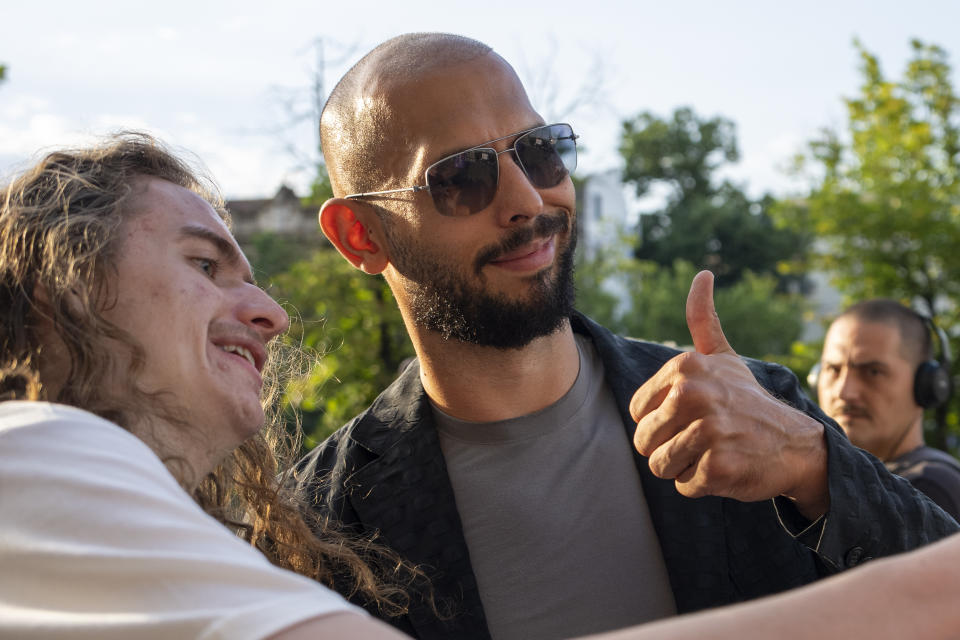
point(876, 375)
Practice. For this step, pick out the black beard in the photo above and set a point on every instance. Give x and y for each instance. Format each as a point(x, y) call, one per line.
point(444, 301)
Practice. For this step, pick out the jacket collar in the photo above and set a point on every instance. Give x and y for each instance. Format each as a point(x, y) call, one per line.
point(405, 494)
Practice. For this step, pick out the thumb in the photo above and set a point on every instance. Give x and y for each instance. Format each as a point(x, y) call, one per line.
point(702, 319)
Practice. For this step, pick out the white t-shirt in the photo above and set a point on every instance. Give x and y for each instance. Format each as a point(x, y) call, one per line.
point(97, 540)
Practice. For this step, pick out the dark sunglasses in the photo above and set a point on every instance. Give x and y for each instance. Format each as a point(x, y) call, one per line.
point(466, 182)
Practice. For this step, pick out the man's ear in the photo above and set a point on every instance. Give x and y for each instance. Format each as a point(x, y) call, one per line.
point(351, 226)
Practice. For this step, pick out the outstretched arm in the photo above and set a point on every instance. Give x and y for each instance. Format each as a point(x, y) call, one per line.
point(912, 595)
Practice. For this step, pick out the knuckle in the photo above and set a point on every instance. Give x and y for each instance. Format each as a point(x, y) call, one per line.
point(704, 432)
point(689, 363)
point(693, 488)
point(682, 388)
point(681, 362)
point(691, 395)
point(717, 469)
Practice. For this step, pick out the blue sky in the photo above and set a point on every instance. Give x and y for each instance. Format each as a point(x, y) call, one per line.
point(213, 77)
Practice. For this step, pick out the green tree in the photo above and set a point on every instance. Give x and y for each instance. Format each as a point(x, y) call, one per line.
point(349, 325)
point(272, 254)
point(885, 198)
point(758, 321)
point(712, 225)
point(320, 188)
point(885, 194)
point(705, 224)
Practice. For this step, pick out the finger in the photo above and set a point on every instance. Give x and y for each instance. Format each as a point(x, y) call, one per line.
point(657, 427)
point(648, 397)
point(674, 459)
point(690, 482)
point(702, 319)
point(685, 465)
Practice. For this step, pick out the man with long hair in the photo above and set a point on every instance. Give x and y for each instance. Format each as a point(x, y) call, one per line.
point(135, 365)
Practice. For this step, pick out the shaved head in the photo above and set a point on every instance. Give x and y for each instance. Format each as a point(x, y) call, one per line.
point(358, 120)
point(916, 344)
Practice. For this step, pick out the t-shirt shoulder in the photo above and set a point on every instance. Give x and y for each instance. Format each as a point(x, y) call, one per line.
point(98, 539)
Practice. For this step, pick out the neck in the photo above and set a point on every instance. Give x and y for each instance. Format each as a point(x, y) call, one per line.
point(186, 456)
point(485, 384)
point(911, 439)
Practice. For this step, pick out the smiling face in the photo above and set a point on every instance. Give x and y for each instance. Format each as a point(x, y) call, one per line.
point(866, 385)
point(502, 276)
point(184, 291)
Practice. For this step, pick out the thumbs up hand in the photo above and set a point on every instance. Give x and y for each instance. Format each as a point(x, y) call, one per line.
point(705, 422)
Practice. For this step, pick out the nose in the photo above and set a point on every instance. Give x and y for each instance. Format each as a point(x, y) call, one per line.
point(846, 386)
point(262, 313)
point(517, 200)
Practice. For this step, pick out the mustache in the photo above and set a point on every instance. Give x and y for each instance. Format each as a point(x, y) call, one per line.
point(543, 226)
point(853, 410)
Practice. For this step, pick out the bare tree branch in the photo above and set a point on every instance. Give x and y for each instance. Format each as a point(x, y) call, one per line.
point(552, 92)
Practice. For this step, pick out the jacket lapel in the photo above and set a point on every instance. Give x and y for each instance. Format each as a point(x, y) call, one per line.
point(405, 493)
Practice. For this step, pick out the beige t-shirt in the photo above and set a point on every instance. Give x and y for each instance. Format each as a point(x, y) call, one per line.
point(97, 540)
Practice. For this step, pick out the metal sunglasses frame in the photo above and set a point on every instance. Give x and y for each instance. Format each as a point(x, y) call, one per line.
point(481, 146)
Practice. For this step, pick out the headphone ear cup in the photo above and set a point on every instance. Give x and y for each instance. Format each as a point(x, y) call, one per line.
point(813, 378)
point(931, 385)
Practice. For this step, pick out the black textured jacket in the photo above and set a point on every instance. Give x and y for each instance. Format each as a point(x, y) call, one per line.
point(387, 474)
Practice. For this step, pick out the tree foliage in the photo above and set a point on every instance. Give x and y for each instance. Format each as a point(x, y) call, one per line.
point(684, 151)
point(272, 254)
point(757, 320)
point(885, 194)
point(320, 188)
point(709, 223)
point(885, 199)
point(705, 223)
point(349, 325)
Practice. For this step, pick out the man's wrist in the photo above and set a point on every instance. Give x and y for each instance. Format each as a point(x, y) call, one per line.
point(811, 493)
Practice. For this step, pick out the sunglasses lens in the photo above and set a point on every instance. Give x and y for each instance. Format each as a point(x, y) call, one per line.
point(464, 183)
point(548, 154)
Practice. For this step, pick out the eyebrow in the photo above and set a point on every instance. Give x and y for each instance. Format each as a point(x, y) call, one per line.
point(859, 365)
point(227, 250)
point(869, 363)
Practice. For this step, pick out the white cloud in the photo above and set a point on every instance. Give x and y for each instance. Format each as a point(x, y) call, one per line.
point(27, 123)
point(186, 118)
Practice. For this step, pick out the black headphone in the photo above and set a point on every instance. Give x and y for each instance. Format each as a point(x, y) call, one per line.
point(932, 385)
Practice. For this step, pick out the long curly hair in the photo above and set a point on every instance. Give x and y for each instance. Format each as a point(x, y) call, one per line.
point(59, 240)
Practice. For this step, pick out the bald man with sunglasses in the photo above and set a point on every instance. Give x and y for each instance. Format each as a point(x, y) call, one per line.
point(540, 469)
